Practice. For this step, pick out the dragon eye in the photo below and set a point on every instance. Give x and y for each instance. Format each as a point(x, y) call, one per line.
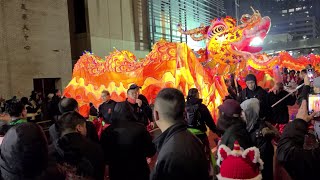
point(218, 29)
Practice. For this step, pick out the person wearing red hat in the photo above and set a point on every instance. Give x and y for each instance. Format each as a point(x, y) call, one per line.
point(239, 164)
point(232, 125)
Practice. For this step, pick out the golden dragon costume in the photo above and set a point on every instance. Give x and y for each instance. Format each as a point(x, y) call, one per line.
point(170, 64)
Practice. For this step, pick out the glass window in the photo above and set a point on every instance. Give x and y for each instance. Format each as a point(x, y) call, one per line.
point(291, 10)
point(284, 11)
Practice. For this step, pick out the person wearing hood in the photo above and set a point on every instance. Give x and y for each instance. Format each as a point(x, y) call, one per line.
point(254, 91)
point(74, 151)
point(232, 125)
point(261, 134)
point(24, 155)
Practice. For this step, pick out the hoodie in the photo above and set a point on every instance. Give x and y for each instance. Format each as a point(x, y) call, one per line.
point(255, 126)
point(251, 109)
point(24, 153)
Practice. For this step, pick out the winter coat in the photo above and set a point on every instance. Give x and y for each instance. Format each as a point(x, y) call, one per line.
point(299, 163)
point(181, 156)
point(24, 155)
point(260, 134)
point(237, 132)
point(205, 116)
point(139, 114)
point(126, 145)
point(76, 151)
point(106, 109)
point(280, 114)
point(258, 93)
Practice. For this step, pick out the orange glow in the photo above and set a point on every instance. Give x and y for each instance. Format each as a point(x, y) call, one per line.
point(175, 65)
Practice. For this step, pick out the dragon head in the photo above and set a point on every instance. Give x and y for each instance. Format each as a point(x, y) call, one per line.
point(227, 42)
point(231, 42)
point(254, 29)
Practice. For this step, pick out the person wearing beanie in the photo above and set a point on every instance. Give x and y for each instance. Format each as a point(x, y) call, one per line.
point(238, 164)
point(232, 125)
point(254, 91)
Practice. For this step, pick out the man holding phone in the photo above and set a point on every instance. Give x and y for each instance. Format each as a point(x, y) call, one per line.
point(299, 162)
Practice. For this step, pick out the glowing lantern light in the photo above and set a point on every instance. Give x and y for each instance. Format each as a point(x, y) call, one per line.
point(256, 41)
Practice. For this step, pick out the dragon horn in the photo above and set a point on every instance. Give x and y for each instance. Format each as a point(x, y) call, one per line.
point(192, 31)
point(254, 11)
point(199, 38)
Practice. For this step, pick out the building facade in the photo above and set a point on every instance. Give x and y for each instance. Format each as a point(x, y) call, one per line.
point(165, 15)
point(35, 46)
point(42, 39)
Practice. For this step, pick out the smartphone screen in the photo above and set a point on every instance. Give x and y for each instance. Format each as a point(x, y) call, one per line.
point(310, 74)
point(314, 103)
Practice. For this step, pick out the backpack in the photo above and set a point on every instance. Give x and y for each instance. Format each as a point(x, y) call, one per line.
point(192, 115)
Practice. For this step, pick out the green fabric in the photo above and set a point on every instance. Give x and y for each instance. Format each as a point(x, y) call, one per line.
point(91, 118)
point(18, 121)
point(198, 132)
point(195, 131)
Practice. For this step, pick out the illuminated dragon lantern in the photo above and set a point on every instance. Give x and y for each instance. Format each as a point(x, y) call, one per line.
point(229, 49)
point(233, 49)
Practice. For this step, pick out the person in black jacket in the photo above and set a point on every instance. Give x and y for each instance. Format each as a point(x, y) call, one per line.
point(74, 151)
point(198, 118)
point(126, 145)
point(280, 113)
point(181, 154)
point(107, 107)
point(261, 134)
point(67, 105)
point(232, 125)
point(132, 105)
point(254, 91)
point(24, 155)
point(54, 105)
point(300, 163)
